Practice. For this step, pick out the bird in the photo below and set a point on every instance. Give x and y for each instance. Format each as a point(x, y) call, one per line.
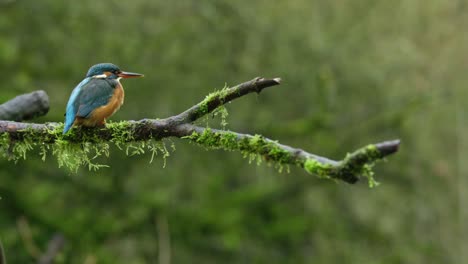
point(97, 97)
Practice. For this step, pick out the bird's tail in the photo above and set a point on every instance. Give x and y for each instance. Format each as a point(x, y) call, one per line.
point(68, 124)
point(66, 128)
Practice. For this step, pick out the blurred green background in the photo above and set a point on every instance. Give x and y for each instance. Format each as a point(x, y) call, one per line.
point(354, 72)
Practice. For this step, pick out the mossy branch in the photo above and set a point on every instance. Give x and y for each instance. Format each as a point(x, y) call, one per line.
point(74, 148)
point(349, 169)
point(218, 98)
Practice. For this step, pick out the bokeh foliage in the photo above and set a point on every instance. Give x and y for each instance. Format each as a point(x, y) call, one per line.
point(354, 71)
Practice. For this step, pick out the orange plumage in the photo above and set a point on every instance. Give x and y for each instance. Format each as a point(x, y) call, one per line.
point(99, 115)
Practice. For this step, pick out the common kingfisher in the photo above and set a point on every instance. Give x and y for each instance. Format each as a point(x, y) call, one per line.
point(97, 97)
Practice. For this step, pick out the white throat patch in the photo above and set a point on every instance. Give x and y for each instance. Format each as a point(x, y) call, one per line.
point(101, 76)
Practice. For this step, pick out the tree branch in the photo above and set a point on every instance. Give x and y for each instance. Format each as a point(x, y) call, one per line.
point(349, 169)
point(221, 97)
point(25, 107)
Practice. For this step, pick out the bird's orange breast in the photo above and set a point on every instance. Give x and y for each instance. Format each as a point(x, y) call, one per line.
point(99, 115)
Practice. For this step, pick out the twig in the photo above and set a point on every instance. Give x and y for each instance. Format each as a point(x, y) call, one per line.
point(222, 97)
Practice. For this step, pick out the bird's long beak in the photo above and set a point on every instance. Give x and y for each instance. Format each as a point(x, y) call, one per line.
point(130, 75)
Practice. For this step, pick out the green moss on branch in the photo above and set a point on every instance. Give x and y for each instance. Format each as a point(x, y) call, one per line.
point(251, 145)
point(359, 164)
point(355, 165)
point(211, 101)
point(80, 146)
point(83, 146)
point(312, 166)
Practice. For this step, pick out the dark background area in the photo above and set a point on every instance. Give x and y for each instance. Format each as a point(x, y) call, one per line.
point(354, 72)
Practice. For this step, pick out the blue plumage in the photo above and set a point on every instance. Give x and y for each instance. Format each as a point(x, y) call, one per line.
point(100, 68)
point(90, 94)
point(72, 107)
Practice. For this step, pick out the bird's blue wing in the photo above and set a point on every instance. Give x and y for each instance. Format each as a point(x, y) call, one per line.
point(72, 105)
point(88, 95)
point(96, 93)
